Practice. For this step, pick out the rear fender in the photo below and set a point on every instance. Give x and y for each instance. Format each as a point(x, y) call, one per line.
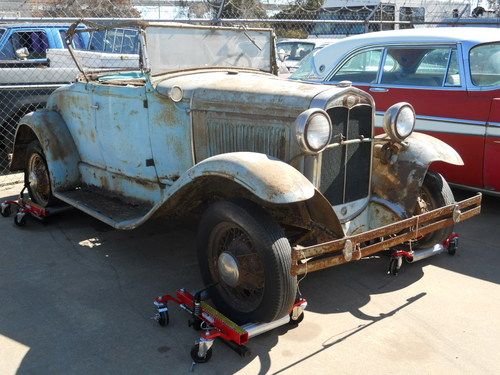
point(397, 177)
point(57, 143)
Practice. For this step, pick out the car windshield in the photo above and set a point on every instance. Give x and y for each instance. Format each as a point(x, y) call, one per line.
point(171, 48)
point(485, 64)
point(295, 51)
point(306, 69)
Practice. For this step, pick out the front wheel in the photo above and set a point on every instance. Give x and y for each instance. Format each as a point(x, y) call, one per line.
point(245, 254)
point(434, 193)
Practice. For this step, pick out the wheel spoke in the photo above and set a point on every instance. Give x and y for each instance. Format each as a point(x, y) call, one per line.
point(248, 291)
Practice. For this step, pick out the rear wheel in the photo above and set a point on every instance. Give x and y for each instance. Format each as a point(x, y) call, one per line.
point(36, 175)
point(244, 252)
point(434, 193)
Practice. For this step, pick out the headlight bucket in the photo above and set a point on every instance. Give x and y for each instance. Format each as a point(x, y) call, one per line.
point(313, 130)
point(399, 121)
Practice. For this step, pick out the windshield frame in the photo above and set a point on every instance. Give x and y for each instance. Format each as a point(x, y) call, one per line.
point(246, 32)
point(144, 61)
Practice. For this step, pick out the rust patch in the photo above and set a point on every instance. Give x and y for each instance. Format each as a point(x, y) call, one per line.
point(48, 132)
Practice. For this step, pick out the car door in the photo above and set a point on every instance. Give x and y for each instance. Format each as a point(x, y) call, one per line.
point(122, 130)
point(431, 78)
point(484, 84)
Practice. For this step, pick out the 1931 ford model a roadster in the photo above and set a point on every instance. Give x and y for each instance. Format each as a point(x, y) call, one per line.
point(289, 175)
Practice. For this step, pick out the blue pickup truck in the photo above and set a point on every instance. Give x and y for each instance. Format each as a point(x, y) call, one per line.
point(34, 62)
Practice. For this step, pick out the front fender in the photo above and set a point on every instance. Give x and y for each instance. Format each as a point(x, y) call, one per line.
point(266, 177)
point(57, 143)
point(399, 180)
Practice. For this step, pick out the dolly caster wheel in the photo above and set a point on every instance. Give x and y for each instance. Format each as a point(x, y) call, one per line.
point(453, 246)
point(20, 219)
point(296, 322)
point(196, 358)
point(5, 210)
point(395, 266)
point(163, 318)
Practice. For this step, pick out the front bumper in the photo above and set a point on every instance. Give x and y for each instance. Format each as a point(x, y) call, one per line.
point(355, 247)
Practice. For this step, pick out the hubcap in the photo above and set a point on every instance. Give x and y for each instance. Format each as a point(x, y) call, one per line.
point(228, 269)
point(236, 267)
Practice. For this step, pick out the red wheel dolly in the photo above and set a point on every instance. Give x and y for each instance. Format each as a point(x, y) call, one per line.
point(215, 325)
point(25, 207)
point(450, 245)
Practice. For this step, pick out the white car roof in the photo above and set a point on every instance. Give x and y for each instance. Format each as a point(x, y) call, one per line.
point(316, 41)
point(331, 55)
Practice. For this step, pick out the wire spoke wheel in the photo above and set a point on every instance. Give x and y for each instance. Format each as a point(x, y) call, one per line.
point(236, 266)
point(37, 176)
point(38, 179)
point(244, 252)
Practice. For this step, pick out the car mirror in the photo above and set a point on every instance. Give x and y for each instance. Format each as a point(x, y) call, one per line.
point(22, 53)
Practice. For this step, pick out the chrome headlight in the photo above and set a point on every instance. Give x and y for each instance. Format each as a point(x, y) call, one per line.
point(313, 130)
point(399, 121)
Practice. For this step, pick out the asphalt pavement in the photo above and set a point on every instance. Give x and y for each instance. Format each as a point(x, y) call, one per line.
point(76, 298)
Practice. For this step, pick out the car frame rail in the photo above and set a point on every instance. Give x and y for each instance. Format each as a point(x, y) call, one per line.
point(354, 247)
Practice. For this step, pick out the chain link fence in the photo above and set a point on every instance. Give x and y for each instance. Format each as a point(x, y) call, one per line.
point(34, 60)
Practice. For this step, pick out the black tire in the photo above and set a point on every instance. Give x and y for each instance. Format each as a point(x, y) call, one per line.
point(37, 177)
point(20, 221)
point(196, 358)
point(435, 192)
point(266, 290)
point(6, 211)
point(163, 318)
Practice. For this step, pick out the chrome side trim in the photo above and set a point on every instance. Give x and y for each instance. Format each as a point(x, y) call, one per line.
point(476, 189)
point(445, 119)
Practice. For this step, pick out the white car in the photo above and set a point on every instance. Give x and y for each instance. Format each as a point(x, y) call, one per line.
point(292, 51)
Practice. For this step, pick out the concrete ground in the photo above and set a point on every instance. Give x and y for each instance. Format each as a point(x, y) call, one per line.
point(76, 298)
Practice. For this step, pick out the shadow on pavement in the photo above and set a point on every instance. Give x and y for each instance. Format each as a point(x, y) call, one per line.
point(79, 294)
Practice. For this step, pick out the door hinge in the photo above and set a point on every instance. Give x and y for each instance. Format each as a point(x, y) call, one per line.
point(150, 162)
point(145, 103)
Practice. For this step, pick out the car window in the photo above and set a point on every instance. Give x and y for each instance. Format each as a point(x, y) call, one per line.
point(32, 45)
point(115, 41)
point(361, 68)
point(295, 51)
point(485, 64)
point(77, 42)
point(453, 77)
point(420, 67)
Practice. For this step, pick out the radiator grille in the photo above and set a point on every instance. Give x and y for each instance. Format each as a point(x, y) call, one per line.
point(345, 170)
point(234, 136)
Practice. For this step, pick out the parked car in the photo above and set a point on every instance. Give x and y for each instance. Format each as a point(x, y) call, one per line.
point(291, 51)
point(451, 76)
point(288, 175)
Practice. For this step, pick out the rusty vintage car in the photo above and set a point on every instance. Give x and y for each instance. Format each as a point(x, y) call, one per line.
point(288, 175)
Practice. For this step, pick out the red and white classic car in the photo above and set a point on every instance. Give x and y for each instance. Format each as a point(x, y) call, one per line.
point(451, 76)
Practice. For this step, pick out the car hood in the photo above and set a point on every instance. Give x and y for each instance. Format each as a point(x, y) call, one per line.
point(242, 92)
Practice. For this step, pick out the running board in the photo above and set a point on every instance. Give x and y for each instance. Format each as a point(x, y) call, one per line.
point(119, 212)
